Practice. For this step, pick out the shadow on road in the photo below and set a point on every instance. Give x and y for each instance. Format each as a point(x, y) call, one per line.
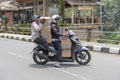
point(64, 65)
point(41, 66)
point(70, 65)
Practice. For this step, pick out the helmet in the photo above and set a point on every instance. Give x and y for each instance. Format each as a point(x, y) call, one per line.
point(35, 17)
point(56, 18)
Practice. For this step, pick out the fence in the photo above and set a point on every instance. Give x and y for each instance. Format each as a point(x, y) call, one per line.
point(99, 36)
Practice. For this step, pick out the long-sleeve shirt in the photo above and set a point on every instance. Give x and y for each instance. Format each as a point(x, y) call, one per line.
point(55, 31)
point(35, 30)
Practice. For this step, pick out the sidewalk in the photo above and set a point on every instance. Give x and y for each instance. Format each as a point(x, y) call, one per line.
point(100, 47)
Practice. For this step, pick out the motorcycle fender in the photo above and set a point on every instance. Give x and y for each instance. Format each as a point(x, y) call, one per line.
point(83, 49)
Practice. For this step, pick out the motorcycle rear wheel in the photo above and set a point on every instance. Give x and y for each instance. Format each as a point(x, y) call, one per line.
point(83, 57)
point(40, 59)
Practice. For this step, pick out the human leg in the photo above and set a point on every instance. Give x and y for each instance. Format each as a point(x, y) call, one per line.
point(42, 41)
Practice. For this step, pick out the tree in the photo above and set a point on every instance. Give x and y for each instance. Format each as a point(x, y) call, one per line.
point(111, 16)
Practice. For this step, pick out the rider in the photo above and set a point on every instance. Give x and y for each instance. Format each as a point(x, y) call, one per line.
point(56, 38)
point(36, 27)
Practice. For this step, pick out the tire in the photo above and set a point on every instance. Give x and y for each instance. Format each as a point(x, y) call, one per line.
point(40, 59)
point(83, 57)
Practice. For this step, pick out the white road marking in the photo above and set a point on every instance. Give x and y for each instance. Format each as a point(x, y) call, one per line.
point(11, 53)
point(72, 74)
point(20, 56)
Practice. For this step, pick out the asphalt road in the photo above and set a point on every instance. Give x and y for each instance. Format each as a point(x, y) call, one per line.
point(17, 64)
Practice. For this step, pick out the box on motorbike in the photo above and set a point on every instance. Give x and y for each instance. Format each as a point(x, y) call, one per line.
point(66, 48)
point(62, 31)
point(66, 44)
point(66, 53)
point(46, 20)
point(46, 33)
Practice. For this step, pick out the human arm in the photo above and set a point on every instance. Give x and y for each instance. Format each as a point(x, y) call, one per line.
point(36, 26)
point(55, 31)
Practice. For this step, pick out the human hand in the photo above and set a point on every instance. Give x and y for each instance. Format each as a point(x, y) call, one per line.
point(66, 35)
point(42, 21)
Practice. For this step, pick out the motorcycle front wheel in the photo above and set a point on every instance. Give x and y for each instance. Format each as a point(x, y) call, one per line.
point(40, 59)
point(83, 57)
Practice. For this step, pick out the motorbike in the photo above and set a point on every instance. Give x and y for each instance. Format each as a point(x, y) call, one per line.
point(79, 53)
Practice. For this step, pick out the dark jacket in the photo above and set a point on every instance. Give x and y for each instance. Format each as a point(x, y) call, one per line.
point(55, 31)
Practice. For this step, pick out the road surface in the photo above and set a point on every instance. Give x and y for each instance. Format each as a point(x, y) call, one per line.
point(17, 64)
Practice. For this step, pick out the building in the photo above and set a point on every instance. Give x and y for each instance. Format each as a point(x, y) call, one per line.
point(81, 11)
point(84, 9)
point(7, 10)
point(83, 17)
point(39, 7)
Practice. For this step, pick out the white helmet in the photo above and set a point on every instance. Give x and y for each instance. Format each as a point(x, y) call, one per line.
point(56, 18)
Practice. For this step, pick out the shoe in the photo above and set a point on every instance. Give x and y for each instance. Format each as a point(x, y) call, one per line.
point(57, 65)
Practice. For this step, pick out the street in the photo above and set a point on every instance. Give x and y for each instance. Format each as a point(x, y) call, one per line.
point(17, 64)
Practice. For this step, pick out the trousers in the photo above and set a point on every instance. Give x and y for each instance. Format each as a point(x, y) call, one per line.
point(58, 48)
point(42, 41)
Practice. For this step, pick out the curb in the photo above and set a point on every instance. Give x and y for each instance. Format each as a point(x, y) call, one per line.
point(110, 50)
point(103, 49)
point(15, 37)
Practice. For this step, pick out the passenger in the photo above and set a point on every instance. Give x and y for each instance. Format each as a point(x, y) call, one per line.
point(36, 27)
